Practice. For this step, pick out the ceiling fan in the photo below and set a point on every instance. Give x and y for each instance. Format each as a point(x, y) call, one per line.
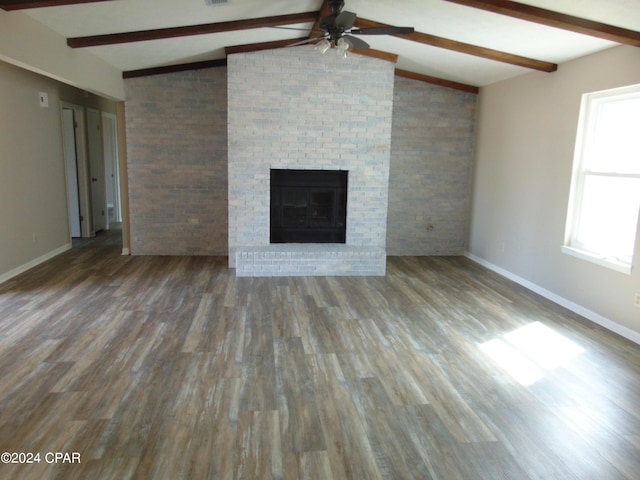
point(337, 29)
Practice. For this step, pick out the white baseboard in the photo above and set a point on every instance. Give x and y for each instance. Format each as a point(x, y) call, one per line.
point(568, 304)
point(33, 263)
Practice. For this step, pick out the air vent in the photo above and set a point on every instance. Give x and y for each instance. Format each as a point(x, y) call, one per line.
point(217, 2)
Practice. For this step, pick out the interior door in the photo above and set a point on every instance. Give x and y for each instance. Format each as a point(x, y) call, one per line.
point(96, 170)
point(71, 171)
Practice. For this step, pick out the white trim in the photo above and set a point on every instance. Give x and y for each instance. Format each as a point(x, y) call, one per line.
point(568, 304)
point(34, 263)
point(126, 251)
point(597, 259)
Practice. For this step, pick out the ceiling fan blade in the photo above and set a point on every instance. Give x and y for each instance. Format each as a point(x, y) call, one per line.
point(356, 42)
point(345, 20)
point(327, 22)
point(382, 31)
point(306, 40)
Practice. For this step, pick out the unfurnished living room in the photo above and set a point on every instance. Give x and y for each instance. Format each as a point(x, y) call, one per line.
point(320, 239)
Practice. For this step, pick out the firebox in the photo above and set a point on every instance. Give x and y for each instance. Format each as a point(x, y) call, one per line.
point(308, 206)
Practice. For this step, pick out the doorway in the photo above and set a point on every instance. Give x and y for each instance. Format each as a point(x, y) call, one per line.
point(93, 177)
point(112, 173)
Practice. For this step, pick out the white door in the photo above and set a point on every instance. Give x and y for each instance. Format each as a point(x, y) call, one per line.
point(96, 170)
point(71, 171)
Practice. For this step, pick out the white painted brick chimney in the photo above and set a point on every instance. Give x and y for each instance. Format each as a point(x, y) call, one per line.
point(294, 108)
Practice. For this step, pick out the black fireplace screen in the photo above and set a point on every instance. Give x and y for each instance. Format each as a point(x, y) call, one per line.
point(308, 206)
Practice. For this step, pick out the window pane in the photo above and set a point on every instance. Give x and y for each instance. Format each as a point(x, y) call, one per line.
point(609, 216)
point(614, 145)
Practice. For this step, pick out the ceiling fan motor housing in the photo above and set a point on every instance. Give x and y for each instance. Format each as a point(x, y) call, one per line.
point(336, 5)
point(339, 25)
point(338, 22)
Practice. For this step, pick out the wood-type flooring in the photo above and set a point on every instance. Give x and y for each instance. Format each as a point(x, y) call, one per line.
point(173, 368)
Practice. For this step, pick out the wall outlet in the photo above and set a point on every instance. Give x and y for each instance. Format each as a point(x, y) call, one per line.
point(637, 299)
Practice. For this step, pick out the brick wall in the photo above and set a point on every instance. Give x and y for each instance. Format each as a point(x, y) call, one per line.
point(177, 148)
point(177, 162)
point(293, 108)
point(430, 173)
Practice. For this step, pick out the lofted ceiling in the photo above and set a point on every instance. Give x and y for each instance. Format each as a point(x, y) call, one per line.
point(460, 43)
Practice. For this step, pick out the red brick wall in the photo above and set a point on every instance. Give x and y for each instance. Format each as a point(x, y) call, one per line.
point(177, 162)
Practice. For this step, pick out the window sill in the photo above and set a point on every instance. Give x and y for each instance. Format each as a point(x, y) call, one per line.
point(598, 260)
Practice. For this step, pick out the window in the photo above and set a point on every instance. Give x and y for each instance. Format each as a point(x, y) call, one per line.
point(602, 220)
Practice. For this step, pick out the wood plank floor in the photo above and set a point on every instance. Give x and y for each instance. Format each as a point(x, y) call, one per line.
point(173, 368)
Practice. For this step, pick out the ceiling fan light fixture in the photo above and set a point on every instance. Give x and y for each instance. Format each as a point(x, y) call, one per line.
point(323, 45)
point(343, 45)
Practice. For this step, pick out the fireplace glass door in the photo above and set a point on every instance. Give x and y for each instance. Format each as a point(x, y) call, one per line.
point(308, 206)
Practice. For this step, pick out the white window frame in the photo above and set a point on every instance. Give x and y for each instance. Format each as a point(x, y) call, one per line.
point(586, 125)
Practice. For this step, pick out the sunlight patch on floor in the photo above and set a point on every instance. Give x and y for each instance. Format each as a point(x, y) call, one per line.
point(530, 351)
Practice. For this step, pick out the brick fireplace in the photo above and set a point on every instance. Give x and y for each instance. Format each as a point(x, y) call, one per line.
point(295, 109)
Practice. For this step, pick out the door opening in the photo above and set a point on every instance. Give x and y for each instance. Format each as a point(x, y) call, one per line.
point(112, 174)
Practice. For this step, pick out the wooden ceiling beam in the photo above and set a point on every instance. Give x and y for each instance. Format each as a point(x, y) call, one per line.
point(203, 29)
point(437, 81)
point(466, 48)
point(555, 19)
point(381, 54)
point(256, 47)
point(9, 5)
point(182, 67)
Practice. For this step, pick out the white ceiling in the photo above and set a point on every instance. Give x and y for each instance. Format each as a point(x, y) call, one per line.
point(435, 17)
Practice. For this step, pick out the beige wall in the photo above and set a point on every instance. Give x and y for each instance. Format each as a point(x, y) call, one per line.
point(26, 43)
point(32, 178)
point(524, 154)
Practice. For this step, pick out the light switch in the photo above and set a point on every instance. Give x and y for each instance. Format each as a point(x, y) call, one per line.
point(43, 98)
